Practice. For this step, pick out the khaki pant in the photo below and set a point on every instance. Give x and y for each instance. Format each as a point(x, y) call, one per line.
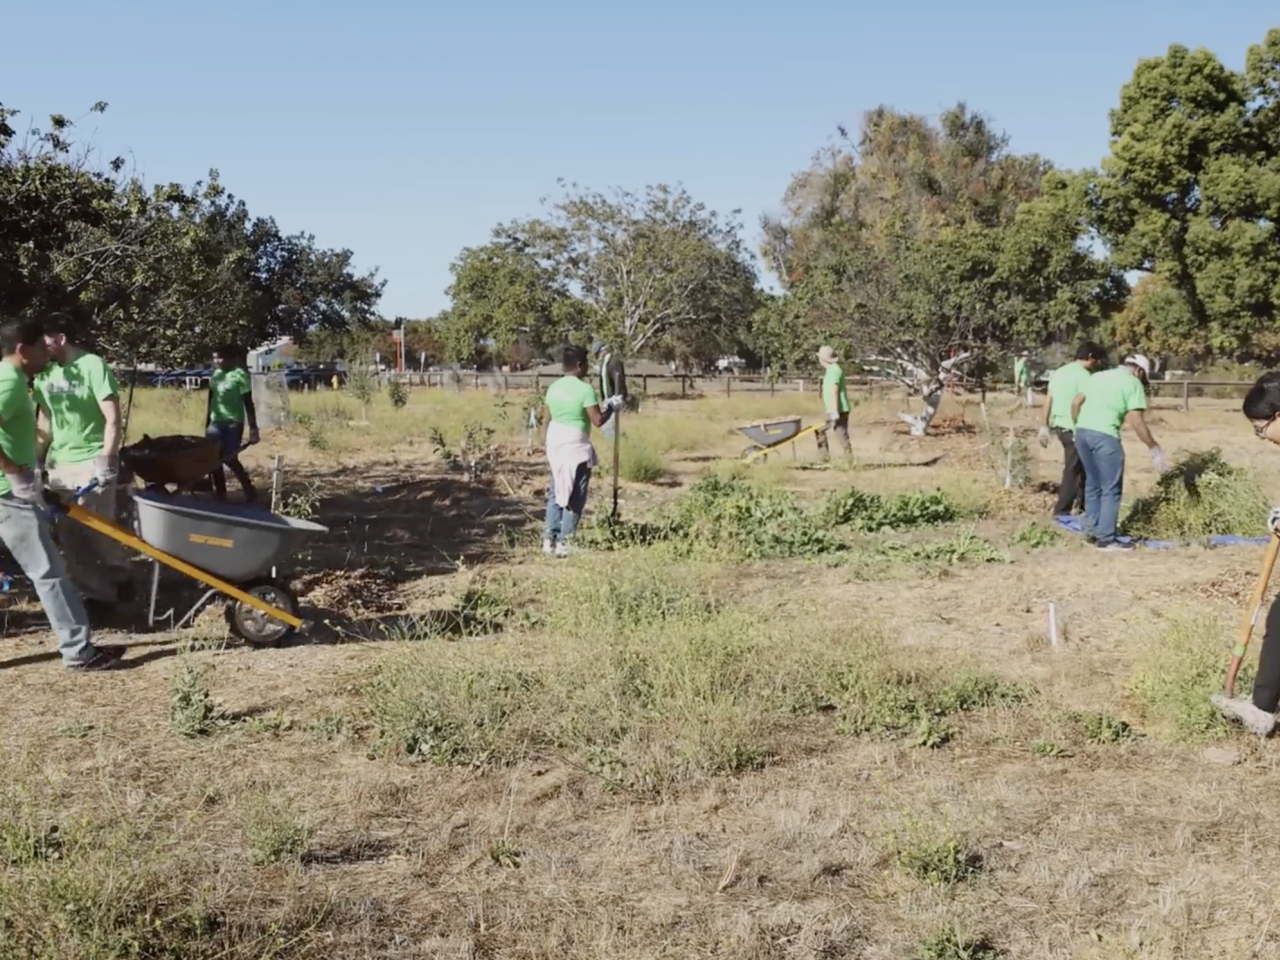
point(96, 564)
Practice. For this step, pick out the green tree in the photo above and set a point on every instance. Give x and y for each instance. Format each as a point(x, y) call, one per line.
point(922, 246)
point(503, 294)
point(1190, 193)
point(657, 271)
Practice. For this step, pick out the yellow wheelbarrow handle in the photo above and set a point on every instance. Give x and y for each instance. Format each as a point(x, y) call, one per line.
point(763, 450)
point(108, 528)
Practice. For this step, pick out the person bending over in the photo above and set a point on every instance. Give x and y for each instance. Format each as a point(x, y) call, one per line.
point(1111, 399)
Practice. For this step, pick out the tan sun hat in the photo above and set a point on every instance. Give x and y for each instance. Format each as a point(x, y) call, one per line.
point(826, 355)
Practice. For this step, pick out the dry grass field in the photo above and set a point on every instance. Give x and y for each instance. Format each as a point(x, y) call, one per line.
point(756, 734)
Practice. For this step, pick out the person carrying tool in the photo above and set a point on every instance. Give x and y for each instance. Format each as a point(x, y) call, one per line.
point(572, 410)
point(613, 379)
point(835, 398)
point(1065, 384)
point(24, 524)
point(230, 407)
point(1109, 400)
point(78, 440)
point(1258, 712)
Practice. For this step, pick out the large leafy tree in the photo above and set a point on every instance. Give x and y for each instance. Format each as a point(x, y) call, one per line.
point(1190, 193)
point(919, 246)
point(504, 294)
point(658, 272)
point(161, 274)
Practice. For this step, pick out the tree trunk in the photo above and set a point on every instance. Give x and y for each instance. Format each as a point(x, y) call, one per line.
point(932, 394)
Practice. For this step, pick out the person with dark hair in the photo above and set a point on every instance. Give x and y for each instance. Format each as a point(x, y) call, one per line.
point(572, 409)
point(230, 407)
point(1257, 712)
point(1065, 384)
point(24, 525)
point(79, 441)
point(1110, 400)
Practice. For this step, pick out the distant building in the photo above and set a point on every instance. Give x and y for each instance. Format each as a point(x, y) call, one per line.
point(271, 355)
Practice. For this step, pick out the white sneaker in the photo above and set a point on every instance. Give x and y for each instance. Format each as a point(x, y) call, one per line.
point(1242, 709)
point(565, 550)
point(547, 547)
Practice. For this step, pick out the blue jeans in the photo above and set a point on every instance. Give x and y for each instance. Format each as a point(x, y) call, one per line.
point(24, 529)
point(229, 437)
point(1102, 456)
point(564, 520)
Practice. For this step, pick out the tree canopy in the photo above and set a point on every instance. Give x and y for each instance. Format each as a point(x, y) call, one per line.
point(161, 274)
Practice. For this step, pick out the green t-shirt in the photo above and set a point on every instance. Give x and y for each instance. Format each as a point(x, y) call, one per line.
point(1020, 370)
point(1108, 396)
point(1065, 384)
point(70, 395)
point(834, 377)
point(227, 390)
point(17, 421)
point(568, 399)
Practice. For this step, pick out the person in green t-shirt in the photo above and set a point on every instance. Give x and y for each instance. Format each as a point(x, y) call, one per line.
point(79, 442)
point(1110, 399)
point(1065, 384)
point(230, 407)
point(571, 409)
point(835, 398)
point(24, 524)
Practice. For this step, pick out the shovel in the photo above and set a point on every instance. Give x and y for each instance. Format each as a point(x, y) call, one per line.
point(1252, 613)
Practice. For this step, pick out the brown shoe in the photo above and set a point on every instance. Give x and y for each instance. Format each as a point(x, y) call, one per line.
point(103, 658)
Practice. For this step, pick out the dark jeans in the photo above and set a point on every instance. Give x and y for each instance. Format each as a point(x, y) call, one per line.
point(1266, 686)
point(1103, 458)
point(1071, 489)
point(229, 437)
point(563, 521)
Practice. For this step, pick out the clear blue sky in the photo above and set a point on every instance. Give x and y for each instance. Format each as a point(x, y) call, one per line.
point(405, 130)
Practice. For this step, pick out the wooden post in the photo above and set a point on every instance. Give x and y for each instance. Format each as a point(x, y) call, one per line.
point(644, 385)
point(1186, 395)
point(728, 386)
point(682, 386)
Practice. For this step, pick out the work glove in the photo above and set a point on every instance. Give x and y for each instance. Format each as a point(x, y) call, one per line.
point(616, 402)
point(1044, 436)
point(1157, 458)
point(105, 470)
point(26, 486)
point(1273, 520)
point(254, 436)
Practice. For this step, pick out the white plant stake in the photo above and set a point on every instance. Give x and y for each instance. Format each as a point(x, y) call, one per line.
point(1053, 625)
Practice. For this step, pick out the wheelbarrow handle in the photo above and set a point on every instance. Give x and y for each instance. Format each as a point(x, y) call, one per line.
point(57, 504)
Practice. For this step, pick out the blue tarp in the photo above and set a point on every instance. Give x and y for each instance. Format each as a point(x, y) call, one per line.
point(1072, 524)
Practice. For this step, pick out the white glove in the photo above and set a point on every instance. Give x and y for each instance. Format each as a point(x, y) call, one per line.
point(105, 470)
point(1273, 520)
point(1043, 436)
point(26, 486)
point(616, 402)
point(1157, 458)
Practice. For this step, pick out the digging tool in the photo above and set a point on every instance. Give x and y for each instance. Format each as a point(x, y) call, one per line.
point(617, 444)
point(1252, 613)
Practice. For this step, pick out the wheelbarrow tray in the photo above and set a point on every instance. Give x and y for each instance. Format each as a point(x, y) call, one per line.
point(768, 433)
point(234, 542)
point(176, 460)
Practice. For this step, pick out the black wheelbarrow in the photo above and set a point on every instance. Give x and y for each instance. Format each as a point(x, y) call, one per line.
point(768, 435)
point(231, 549)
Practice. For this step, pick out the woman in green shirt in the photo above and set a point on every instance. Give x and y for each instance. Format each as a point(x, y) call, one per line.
point(572, 409)
point(230, 406)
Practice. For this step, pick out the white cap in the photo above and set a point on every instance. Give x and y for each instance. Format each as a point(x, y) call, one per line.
point(827, 355)
point(1141, 362)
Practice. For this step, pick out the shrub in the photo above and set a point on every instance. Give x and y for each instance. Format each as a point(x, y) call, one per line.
point(1200, 496)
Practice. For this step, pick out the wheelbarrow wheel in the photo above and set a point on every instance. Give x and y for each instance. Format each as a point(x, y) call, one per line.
point(754, 448)
point(255, 627)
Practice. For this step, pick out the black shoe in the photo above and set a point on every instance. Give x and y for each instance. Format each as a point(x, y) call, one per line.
point(103, 658)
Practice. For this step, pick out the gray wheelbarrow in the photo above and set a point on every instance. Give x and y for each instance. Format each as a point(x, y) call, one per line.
point(230, 549)
point(768, 435)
